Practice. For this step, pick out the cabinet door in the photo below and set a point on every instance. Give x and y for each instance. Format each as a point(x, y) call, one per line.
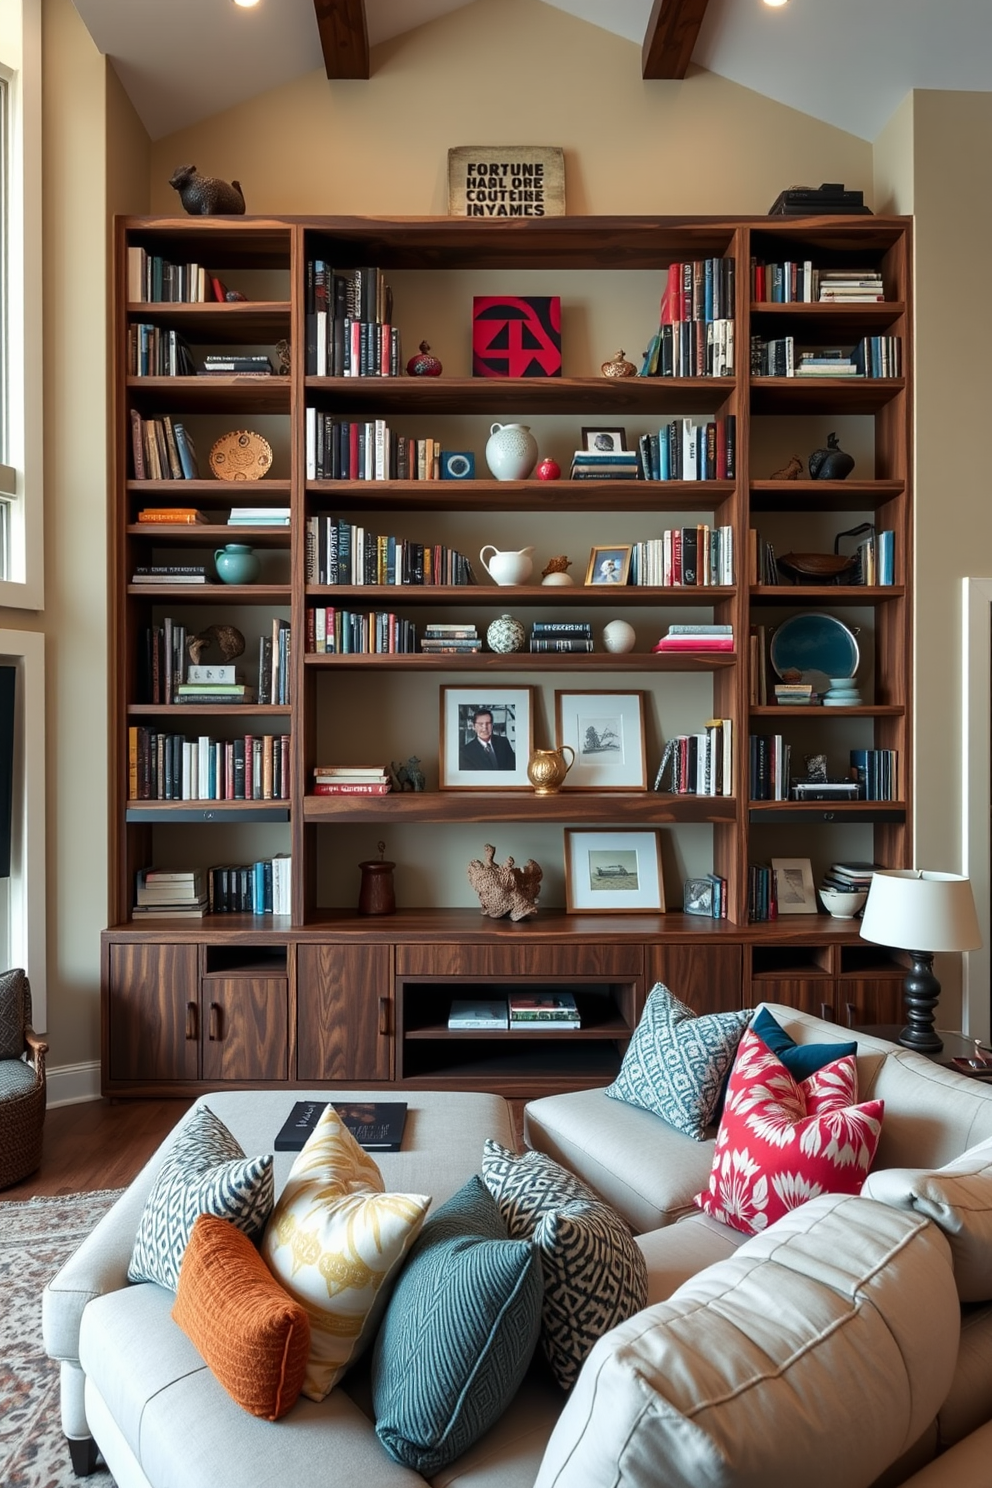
point(814, 995)
point(707, 978)
point(870, 1000)
point(153, 1013)
point(344, 1013)
point(245, 1028)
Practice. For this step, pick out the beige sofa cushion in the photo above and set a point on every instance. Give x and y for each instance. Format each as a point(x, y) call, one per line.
point(822, 1348)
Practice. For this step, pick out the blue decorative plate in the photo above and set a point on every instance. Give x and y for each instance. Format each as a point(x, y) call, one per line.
point(817, 646)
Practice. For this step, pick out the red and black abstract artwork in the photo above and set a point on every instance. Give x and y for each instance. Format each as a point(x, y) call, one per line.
point(516, 336)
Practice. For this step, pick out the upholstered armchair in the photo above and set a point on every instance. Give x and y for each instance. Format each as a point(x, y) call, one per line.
point(22, 1081)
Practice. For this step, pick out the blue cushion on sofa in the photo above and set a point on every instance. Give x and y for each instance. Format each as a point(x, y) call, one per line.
point(801, 1060)
point(459, 1332)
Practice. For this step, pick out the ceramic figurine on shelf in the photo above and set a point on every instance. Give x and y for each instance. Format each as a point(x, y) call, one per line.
point(506, 635)
point(831, 463)
point(548, 469)
point(229, 640)
point(207, 196)
point(504, 889)
point(792, 471)
point(556, 571)
point(618, 366)
point(423, 364)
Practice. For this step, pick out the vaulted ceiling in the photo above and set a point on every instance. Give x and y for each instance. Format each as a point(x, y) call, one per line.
point(848, 62)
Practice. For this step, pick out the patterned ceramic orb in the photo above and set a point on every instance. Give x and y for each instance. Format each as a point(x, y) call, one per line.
point(619, 636)
point(423, 364)
point(506, 635)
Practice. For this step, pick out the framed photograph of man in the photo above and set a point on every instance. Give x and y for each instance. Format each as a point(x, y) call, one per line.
point(604, 441)
point(486, 737)
point(606, 731)
point(614, 872)
point(608, 565)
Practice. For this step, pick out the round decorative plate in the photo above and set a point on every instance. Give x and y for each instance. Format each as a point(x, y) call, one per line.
point(240, 456)
point(816, 646)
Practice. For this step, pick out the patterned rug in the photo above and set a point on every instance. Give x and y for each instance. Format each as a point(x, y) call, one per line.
point(35, 1238)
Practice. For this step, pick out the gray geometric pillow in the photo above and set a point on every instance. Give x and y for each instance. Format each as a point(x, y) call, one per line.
point(675, 1062)
point(15, 1012)
point(594, 1273)
point(206, 1172)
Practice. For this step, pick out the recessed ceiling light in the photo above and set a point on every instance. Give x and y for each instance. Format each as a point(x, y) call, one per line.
point(247, 4)
point(773, 3)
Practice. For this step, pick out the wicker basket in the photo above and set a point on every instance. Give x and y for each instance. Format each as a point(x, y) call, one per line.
point(22, 1125)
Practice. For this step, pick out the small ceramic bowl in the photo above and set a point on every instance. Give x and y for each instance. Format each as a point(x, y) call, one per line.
point(841, 904)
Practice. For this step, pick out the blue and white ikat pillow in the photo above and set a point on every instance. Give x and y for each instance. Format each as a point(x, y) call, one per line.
point(204, 1172)
point(676, 1063)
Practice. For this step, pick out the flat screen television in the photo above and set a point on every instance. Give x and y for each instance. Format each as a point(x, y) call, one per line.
point(8, 675)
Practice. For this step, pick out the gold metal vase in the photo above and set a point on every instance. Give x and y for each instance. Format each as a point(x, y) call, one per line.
point(547, 768)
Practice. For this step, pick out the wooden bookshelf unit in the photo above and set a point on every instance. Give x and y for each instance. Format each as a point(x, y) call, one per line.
point(324, 996)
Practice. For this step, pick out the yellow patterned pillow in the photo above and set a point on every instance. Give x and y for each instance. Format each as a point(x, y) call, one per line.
point(335, 1242)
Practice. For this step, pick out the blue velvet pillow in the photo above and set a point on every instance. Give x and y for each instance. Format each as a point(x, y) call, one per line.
point(801, 1060)
point(459, 1332)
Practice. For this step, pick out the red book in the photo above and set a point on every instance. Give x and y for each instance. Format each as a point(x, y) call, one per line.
point(695, 643)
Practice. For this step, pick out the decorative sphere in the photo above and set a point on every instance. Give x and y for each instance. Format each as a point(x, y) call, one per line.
point(423, 364)
point(506, 635)
point(557, 577)
point(618, 636)
point(549, 470)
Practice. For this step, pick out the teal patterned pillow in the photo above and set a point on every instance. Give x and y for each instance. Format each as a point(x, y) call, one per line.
point(205, 1172)
point(459, 1332)
point(594, 1273)
point(675, 1062)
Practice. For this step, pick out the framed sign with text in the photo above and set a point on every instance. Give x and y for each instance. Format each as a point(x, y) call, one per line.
point(506, 181)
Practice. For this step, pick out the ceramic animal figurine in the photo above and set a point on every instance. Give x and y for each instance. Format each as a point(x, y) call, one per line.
point(230, 641)
point(504, 889)
point(792, 471)
point(207, 196)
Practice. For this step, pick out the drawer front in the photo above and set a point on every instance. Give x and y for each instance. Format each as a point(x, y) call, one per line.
point(606, 961)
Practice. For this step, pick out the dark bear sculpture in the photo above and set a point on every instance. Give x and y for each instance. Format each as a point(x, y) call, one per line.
point(207, 196)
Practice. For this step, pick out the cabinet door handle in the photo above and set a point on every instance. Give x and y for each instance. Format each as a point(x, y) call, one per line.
point(383, 1015)
point(216, 1023)
point(191, 1020)
point(852, 1014)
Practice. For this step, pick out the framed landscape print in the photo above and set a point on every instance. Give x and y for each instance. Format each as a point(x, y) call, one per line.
point(613, 872)
point(606, 732)
point(486, 737)
point(794, 886)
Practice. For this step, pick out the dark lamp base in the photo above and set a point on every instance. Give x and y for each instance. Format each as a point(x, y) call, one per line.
point(922, 991)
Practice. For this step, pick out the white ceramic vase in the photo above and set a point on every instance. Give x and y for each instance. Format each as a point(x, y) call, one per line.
point(511, 451)
point(507, 567)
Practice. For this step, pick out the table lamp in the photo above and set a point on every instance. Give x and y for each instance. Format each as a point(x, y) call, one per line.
point(921, 912)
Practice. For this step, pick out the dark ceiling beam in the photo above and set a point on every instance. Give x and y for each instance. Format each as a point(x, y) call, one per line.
point(670, 37)
point(344, 37)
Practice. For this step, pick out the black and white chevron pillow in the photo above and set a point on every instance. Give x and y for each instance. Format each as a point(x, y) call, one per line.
point(205, 1172)
point(594, 1273)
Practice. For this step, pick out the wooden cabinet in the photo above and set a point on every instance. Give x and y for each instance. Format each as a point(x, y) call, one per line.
point(344, 1001)
point(244, 1028)
point(152, 1013)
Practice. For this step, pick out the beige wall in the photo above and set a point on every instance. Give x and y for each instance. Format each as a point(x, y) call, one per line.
point(498, 71)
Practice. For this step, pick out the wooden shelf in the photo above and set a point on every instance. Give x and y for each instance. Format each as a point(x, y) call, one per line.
point(830, 594)
point(243, 324)
point(805, 495)
point(866, 395)
point(619, 808)
point(559, 661)
point(242, 395)
point(598, 596)
point(492, 495)
point(646, 396)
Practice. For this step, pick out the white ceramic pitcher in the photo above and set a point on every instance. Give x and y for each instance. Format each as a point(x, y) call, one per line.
point(507, 568)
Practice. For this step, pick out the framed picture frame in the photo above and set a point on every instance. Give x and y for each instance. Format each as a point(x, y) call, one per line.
point(609, 565)
point(486, 737)
point(606, 732)
point(613, 872)
point(603, 441)
point(794, 889)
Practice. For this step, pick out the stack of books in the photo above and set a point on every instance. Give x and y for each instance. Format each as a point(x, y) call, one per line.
point(546, 1010)
point(163, 893)
point(849, 286)
point(696, 638)
point(173, 516)
point(171, 573)
point(454, 637)
point(825, 790)
point(351, 780)
point(561, 635)
point(849, 877)
point(795, 694)
point(258, 516)
point(215, 693)
point(235, 366)
point(825, 362)
point(486, 1013)
point(605, 465)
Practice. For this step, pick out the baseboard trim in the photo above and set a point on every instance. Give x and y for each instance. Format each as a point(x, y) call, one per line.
point(69, 1084)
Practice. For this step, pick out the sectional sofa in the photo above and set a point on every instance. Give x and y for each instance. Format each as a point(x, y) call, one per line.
point(836, 1347)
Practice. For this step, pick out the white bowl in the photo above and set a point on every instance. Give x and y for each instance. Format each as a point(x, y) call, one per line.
point(843, 904)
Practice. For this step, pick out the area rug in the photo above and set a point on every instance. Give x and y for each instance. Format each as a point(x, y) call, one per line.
point(35, 1238)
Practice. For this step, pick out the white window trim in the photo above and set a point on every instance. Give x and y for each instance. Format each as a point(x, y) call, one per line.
point(25, 650)
point(20, 59)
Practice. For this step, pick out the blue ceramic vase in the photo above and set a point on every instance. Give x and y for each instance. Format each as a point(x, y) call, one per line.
point(237, 563)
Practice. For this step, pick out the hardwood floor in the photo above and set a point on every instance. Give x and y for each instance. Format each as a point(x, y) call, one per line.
point(103, 1144)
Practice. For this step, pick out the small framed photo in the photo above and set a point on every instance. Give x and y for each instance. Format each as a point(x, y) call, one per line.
point(606, 732)
point(486, 737)
point(609, 565)
point(613, 873)
point(604, 441)
point(794, 886)
point(697, 897)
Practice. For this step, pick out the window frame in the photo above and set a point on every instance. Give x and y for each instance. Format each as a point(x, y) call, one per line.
point(25, 650)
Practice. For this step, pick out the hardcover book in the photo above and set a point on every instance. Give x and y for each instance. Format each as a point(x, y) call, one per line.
point(376, 1125)
point(557, 1008)
point(478, 1013)
point(516, 336)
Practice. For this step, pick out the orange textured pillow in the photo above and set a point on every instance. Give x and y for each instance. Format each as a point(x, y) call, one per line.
point(253, 1336)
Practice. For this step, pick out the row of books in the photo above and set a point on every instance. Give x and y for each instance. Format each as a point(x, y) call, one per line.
point(795, 282)
point(163, 675)
point(152, 278)
point(696, 636)
point(877, 773)
point(367, 449)
point(333, 632)
point(348, 322)
point(162, 449)
point(691, 348)
point(236, 364)
point(769, 757)
point(873, 356)
point(345, 780)
point(698, 555)
point(154, 351)
point(699, 289)
point(262, 887)
point(342, 552)
point(762, 894)
point(171, 767)
point(684, 450)
point(549, 1011)
point(699, 764)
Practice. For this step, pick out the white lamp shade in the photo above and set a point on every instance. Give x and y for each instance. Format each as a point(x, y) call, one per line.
point(916, 910)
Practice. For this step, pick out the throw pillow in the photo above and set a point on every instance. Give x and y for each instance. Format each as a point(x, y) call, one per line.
point(800, 1060)
point(782, 1142)
point(253, 1337)
point(204, 1172)
point(595, 1275)
point(336, 1241)
point(15, 1012)
point(675, 1062)
point(458, 1334)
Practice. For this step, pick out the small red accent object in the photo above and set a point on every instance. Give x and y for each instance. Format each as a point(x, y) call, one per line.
point(423, 364)
point(549, 470)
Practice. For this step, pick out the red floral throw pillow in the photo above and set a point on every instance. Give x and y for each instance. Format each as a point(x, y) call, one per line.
point(783, 1141)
